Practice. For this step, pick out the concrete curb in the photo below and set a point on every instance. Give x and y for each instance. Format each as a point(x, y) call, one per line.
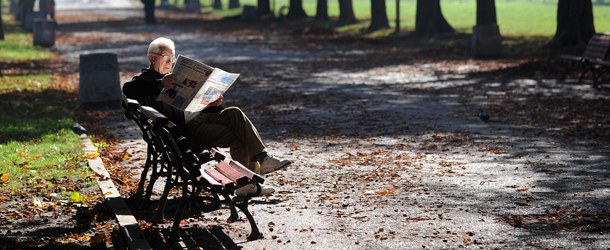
point(127, 222)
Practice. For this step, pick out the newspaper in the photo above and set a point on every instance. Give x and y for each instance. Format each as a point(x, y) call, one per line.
point(197, 86)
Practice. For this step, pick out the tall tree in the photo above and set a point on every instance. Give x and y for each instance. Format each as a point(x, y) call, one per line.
point(486, 12)
point(346, 13)
point(486, 38)
point(234, 4)
point(379, 16)
point(574, 24)
point(1, 24)
point(397, 16)
point(263, 7)
point(217, 5)
point(296, 9)
point(322, 10)
point(429, 19)
point(149, 11)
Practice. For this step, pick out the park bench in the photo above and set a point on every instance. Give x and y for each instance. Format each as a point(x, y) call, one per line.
point(172, 156)
point(594, 58)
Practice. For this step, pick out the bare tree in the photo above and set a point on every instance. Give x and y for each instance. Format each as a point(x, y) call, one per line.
point(574, 24)
point(346, 13)
point(322, 10)
point(379, 16)
point(429, 19)
point(296, 9)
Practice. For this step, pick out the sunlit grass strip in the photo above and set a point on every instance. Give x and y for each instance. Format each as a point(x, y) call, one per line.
point(43, 163)
point(37, 148)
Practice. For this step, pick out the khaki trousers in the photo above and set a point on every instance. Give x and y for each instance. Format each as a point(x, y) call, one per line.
point(228, 128)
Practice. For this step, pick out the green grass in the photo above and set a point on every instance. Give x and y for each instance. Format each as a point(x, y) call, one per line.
point(30, 107)
point(36, 142)
point(515, 17)
point(43, 163)
point(38, 151)
point(17, 45)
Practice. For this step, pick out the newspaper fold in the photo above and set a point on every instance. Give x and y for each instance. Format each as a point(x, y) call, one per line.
point(197, 86)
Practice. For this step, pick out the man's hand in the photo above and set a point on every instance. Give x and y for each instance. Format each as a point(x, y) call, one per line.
point(168, 80)
point(216, 103)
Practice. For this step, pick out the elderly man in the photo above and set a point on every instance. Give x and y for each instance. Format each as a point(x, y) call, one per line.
point(215, 126)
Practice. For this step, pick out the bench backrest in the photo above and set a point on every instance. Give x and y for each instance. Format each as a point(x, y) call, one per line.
point(132, 112)
point(598, 47)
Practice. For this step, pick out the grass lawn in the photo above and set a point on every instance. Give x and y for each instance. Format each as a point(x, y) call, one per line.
point(38, 151)
point(37, 148)
point(515, 17)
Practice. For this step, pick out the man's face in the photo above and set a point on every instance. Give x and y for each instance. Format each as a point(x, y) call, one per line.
point(162, 61)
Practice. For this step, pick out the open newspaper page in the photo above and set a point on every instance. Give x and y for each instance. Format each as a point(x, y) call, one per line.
point(197, 86)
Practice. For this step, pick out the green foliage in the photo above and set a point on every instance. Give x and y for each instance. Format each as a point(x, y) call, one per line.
point(18, 47)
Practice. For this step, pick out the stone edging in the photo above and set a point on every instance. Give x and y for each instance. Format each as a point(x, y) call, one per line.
point(127, 222)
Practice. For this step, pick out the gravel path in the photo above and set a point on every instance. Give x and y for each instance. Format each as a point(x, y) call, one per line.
point(381, 159)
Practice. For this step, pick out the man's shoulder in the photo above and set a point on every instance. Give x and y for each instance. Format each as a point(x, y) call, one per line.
point(149, 74)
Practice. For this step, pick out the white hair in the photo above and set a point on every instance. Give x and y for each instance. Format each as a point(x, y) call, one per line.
point(161, 42)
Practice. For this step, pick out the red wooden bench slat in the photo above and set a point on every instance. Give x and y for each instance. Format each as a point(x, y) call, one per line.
point(226, 182)
point(254, 177)
point(214, 185)
point(235, 176)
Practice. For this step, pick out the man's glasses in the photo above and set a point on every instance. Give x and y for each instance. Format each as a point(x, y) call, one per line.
point(166, 57)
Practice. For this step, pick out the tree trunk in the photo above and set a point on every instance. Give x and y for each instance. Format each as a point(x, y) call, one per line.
point(574, 24)
point(217, 5)
point(192, 6)
point(346, 13)
point(486, 12)
point(234, 4)
point(429, 19)
point(1, 24)
point(263, 7)
point(397, 16)
point(322, 10)
point(379, 16)
point(296, 9)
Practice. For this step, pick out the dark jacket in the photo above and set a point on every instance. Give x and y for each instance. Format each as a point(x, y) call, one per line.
point(144, 87)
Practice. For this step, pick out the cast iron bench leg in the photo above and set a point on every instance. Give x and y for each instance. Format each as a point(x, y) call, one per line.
point(150, 160)
point(169, 183)
point(175, 233)
point(255, 234)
